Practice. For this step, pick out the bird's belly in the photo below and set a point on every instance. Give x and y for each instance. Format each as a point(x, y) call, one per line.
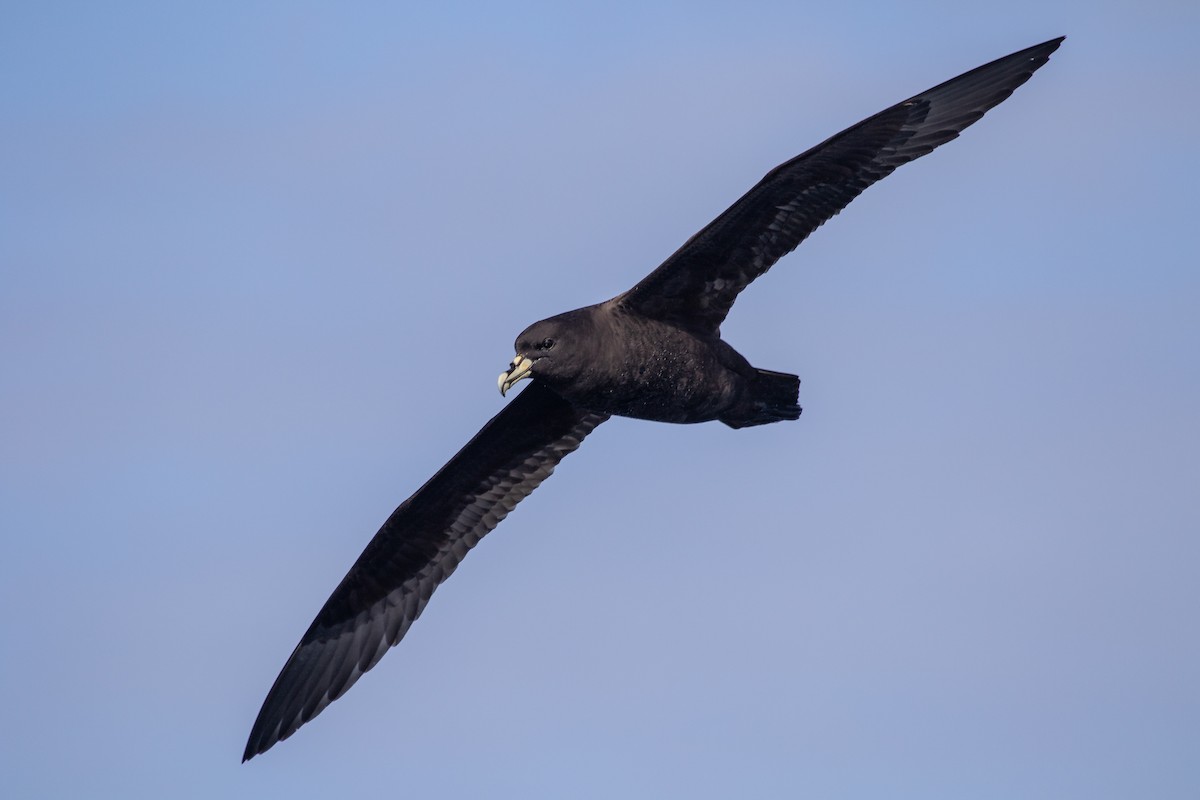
point(666, 390)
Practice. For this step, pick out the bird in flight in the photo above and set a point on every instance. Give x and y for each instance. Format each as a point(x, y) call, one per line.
point(654, 352)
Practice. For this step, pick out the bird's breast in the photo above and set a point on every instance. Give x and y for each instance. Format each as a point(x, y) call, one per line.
point(654, 371)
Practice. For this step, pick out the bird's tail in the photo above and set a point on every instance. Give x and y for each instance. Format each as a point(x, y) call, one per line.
point(771, 397)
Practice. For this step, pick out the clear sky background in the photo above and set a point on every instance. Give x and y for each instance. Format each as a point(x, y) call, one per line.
point(260, 265)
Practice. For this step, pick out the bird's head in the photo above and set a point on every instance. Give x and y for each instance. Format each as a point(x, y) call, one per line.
point(550, 350)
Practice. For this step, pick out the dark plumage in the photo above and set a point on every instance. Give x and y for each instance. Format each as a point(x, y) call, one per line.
point(654, 352)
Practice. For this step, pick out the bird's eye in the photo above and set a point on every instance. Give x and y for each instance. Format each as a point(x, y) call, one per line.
point(545, 344)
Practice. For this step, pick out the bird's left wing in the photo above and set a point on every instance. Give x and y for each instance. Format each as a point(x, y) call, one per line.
point(697, 285)
point(416, 549)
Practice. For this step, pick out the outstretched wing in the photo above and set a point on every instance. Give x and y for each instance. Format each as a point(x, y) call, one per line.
point(416, 549)
point(696, 286)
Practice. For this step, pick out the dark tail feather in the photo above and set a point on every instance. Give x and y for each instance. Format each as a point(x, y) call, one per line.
point(773, 397)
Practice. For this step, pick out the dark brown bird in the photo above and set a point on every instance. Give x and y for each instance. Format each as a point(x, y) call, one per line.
point(654, 352)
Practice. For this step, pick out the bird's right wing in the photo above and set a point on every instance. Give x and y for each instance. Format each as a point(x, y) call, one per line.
point(415, 550)
point(696, 286)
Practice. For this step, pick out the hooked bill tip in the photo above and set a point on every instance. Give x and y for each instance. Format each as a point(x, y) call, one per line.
point(521, 369)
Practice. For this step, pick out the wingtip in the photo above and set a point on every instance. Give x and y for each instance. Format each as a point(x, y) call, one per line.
point(255, 750)
point(257, 744)
point(1042, 50)
point(1050, 45)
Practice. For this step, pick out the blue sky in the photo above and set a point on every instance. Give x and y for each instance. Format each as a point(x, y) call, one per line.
point(259, 268)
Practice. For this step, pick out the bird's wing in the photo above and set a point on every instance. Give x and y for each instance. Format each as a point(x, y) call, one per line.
point(697, 285)
point(416, 549)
